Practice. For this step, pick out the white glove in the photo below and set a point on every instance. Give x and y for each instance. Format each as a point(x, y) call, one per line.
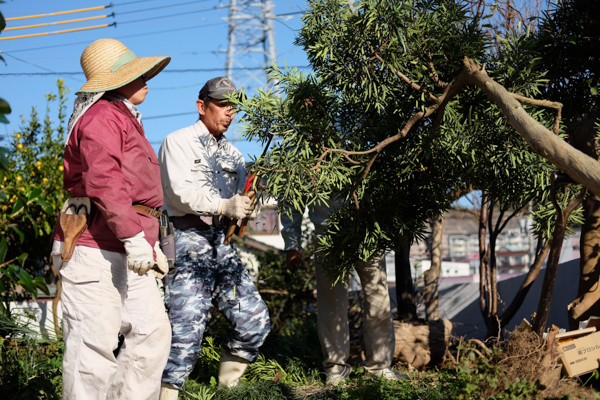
point(161, 267)
point(238, 207)
point(139, 253)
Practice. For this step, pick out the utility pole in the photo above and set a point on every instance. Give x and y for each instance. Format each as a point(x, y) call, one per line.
point(251, 46)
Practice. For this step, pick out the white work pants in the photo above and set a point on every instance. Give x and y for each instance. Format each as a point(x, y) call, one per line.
point(332, 319)
point(100, 298)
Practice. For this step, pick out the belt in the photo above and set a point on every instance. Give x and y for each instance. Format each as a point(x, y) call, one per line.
point(153, 212)
point(195, 221)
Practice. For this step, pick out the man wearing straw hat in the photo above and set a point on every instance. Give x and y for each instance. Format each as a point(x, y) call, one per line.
point(108, 272)
point(203, 176)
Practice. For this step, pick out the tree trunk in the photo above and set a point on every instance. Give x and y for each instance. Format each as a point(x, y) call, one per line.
point(432, 275)
point(483, 257)
point(586, 304)
point(583, 137)
point(534, 270)
point(405, 289)
point(541, 315)
point(560, 229)
point(492, 322)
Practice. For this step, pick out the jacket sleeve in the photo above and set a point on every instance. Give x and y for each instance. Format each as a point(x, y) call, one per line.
point(102, 142)
point(179, 187)
point(291, 230)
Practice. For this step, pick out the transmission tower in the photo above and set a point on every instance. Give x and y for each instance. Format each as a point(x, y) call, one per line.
point(251, 45)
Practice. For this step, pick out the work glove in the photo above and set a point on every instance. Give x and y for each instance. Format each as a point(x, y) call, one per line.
point(161, 267)
point(56, 254)
point(238, 207)
point(140, 257)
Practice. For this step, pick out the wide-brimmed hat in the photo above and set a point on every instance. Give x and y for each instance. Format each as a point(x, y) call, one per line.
point(108, 64)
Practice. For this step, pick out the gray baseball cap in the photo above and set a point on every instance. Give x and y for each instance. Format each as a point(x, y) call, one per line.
point(217, 88)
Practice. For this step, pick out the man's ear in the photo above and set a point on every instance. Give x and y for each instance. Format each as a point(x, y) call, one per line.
point(201, 107)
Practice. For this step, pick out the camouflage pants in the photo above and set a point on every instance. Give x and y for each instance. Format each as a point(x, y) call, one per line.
point(208, 271)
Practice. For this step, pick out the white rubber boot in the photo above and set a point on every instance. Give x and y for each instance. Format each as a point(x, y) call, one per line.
point(168, 392)
point(231, 369)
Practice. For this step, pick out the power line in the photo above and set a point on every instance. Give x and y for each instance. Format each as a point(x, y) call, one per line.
point(160, 7)
point(78, 10)
point(87, 28)
point(176, 71)
point(131, 2)
point(59, 13)
point(38, 66)
point(118, 37)
point(170, 115)
point(59, 22)
point(93, 18)
point(167, 16)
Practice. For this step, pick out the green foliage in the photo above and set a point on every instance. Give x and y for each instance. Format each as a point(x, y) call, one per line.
point(30, 367)
point(15, 276)
point(258, 391)
point(570, 52)
point(292, 304)
point(289, 297)
point(32, 187)
point(376, 68)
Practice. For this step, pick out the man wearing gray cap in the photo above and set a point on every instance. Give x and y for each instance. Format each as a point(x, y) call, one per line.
point(203, 177)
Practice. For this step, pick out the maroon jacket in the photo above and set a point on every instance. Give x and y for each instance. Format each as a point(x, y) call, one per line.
point(109, 160)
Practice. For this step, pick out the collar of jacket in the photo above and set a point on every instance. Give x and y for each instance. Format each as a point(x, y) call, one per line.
point(205, 136)
point(123, 109)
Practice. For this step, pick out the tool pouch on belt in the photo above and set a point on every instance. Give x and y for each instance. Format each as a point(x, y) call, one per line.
point(167, 240)
point(73, 222)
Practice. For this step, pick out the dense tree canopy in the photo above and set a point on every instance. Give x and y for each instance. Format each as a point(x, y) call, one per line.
point(388, 121)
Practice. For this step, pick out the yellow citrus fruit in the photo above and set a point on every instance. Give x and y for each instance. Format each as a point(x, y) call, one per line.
point(61, 168)
point(19, 146)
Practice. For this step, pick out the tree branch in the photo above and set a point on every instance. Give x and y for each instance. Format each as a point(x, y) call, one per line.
point(544, 103)
point(580, 167)
point(408, 81)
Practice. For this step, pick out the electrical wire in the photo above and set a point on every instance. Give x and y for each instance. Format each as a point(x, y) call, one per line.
point(167, 16)
point(59, 13)
point(170, 115)
point(160, 7)
point(40, 67)
point(78, 10)
point(59, 22)
point(131, 2)
point(119, 37)
point(87, 28)
point(165, 71)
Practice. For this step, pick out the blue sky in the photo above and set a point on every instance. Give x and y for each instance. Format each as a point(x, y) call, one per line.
point(193, 33)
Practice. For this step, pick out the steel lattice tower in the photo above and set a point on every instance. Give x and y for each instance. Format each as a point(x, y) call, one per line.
point(251, 45)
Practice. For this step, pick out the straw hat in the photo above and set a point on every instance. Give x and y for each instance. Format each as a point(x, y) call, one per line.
point(108, 64)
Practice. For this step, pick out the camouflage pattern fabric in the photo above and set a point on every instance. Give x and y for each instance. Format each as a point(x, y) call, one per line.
point(208, 271)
